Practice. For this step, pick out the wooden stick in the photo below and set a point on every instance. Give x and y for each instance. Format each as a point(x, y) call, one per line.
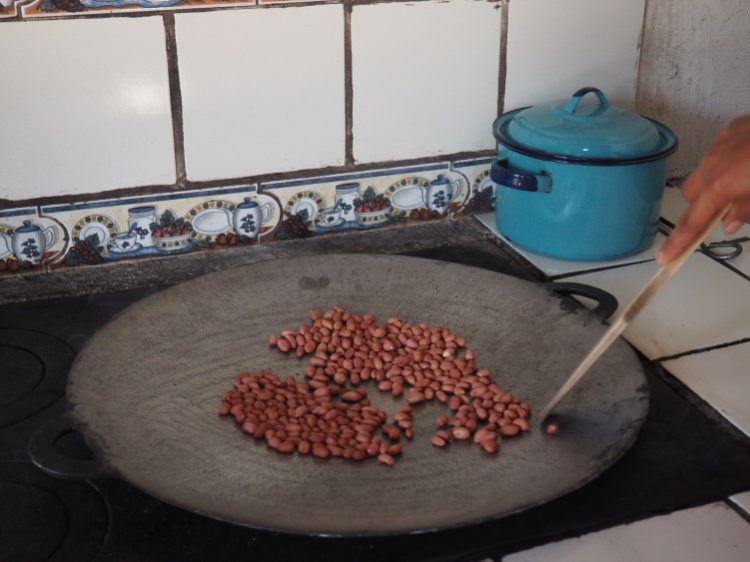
point(657, 281)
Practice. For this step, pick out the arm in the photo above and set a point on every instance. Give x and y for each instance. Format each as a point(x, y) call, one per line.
point(723, 176)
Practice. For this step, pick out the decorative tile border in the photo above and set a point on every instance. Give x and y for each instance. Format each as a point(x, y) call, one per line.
point(42, 8)
point(9, 8)
point(477, 171)
point(262, 2)
point(174, 223)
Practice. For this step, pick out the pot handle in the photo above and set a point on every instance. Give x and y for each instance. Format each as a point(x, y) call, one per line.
point(502, 174)
point(606, 303)
point(45, 455)
point(573, 102)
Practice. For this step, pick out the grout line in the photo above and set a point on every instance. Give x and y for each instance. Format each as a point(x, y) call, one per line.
point(696, 400)
point(503, 62)
point(175, 96)
point(702, 350)
point(731, 268)
point(598, 269)
point(738, 509)
point(726, 263)
point(639, 55)
point(157, 189)
point(349, 88)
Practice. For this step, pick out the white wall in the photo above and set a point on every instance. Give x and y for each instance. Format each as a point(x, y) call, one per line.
point(87, 104)
point(557, 46)
point(695, 70)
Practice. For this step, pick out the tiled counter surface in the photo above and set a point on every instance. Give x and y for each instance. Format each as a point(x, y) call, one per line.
point(698, 329)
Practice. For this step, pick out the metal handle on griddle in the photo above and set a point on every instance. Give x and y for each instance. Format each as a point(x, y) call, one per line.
point(44, 453)
point(606, 303)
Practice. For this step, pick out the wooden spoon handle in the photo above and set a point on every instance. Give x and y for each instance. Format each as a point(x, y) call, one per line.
point(657, 281)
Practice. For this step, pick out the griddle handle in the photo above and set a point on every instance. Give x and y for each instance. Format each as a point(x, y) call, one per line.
point(44, 453)
point(606, 302)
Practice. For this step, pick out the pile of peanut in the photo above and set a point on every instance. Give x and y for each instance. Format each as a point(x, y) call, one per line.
point(420, 361)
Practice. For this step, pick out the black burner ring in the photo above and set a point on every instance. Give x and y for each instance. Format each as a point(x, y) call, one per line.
point(34, 374)
point(45, 518)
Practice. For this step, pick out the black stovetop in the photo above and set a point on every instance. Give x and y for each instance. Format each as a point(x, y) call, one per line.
point(683, 457)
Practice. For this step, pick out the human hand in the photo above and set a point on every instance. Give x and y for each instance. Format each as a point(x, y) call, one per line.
point(722, 177)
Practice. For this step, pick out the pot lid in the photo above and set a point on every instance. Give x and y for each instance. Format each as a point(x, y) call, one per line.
point(28, 226)
point(440, 180)
point(247, 203)
point(574, 130)
point(347, 186)
point(148, 209)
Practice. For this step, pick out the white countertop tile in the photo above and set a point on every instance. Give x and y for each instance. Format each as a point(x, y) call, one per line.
point(742, 262)
point(704, 305)
point(742, 500)
point(708, 533)
point(556, 267)
point(722, 378)
point(674, 205)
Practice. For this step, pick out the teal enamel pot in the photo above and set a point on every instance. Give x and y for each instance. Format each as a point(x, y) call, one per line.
point(580, 180)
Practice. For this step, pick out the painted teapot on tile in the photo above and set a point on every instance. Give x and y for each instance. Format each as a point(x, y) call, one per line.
point(250, 216)
point(439, 194)
point(28, 242)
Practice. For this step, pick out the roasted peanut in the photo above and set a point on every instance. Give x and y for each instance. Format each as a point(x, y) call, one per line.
point(326, 419)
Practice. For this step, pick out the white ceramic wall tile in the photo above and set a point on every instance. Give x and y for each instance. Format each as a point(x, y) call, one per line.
point(85, 106)
point(721, 378)
point(262, 90)
point(558, 46)
point(710, 532)
point(554, 267)
point(742, 500)
point(674, 205)
point(705, 304)
point(424, 78)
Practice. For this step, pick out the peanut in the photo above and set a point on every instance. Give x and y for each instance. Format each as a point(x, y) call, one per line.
point(324, 418)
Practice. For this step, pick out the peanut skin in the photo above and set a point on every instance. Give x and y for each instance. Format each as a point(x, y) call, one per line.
point(327, 416)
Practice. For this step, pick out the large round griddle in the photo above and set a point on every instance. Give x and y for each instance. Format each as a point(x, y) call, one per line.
point(147, 388)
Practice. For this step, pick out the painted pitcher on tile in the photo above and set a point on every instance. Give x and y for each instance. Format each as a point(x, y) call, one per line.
point(140, 220)
point(249, 217)
point(346, 193)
